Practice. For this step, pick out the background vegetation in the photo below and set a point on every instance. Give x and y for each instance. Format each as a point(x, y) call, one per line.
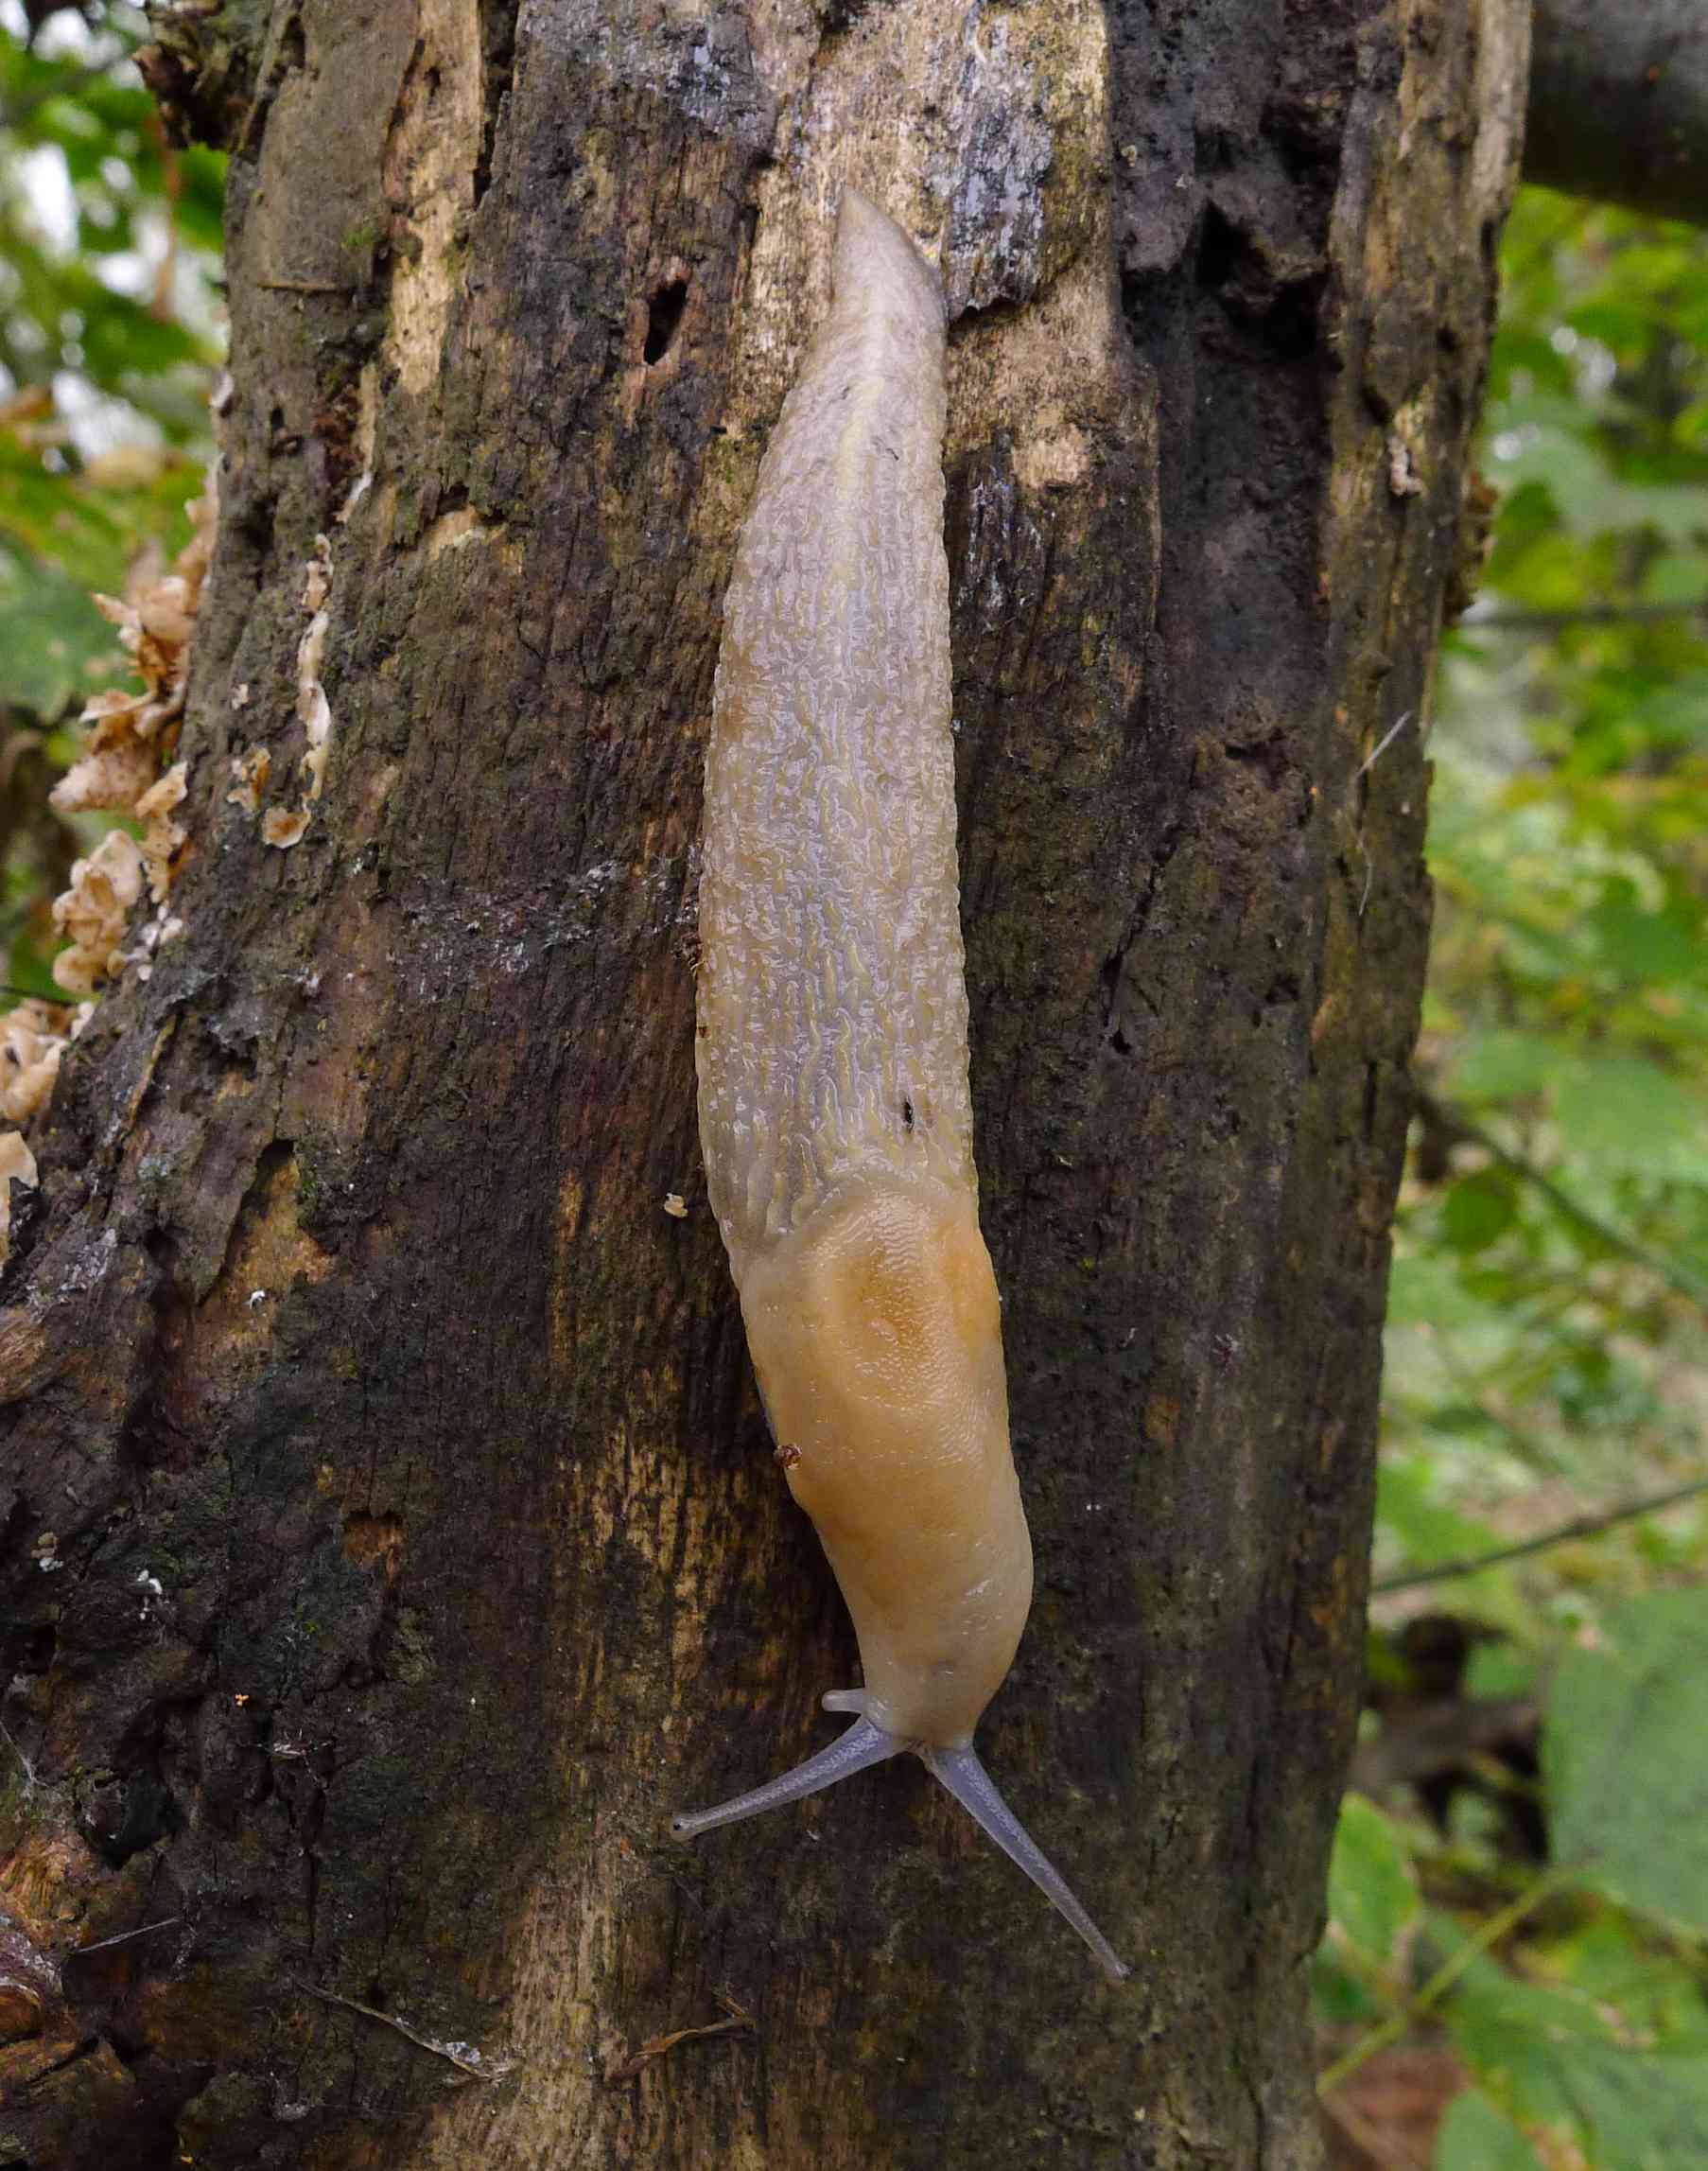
point(108, 336)
point(1528, 1908)
point(1518, 1928)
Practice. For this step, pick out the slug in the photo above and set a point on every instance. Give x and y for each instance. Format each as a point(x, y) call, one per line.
point(831, 1047)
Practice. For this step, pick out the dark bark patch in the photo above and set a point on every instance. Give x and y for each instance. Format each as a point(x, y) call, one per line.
point(498, 59)
point(1281, 307)
point(120, 1818)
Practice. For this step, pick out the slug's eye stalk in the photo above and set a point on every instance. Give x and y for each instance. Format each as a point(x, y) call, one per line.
point(959, 1770)
point(862, 1744)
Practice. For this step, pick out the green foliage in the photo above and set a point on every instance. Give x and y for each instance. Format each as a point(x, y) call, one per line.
point(1551, 1263)
point(1373, 1906)
point(1606, 2050)
point(109, 265)
point(1546, 1349)
point(1474, 2137)
point(1627, 1758)
point(108, 262)
point(1590, 2032)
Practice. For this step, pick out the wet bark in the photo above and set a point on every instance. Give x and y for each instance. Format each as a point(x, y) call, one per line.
point(392, 1537)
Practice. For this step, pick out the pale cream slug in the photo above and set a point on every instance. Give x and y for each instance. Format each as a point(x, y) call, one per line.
point(831, 1044)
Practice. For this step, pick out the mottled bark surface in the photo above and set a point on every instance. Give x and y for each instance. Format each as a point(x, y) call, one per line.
point(390, 1533)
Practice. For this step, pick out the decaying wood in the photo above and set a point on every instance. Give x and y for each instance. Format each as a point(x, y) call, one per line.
point(416, 1544)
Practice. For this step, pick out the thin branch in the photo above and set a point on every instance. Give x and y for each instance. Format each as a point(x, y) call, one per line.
point(1580, 1527)
point(23, 1763)
point(125, 1937)
point(469, 2062)
point(1583, 614)
point(1618, 103)
point(738, 2021)
point(1391, 734)
point(1486, 1935)
point(1677, 1277)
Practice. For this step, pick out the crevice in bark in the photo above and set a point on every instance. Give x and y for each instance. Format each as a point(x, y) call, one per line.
point(498, 61)
point(664, 317)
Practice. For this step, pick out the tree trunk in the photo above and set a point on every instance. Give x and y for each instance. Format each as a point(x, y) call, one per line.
point(392, 1536)
point(1619, 103)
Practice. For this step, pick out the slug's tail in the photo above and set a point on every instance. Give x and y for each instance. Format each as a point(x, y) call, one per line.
point(863, 1744)
point(973, 1788)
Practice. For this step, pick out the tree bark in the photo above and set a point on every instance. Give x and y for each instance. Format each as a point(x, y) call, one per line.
point(1619, 103)
point(393, 1537)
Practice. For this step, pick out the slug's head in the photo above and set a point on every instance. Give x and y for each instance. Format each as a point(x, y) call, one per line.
point(877, 1338)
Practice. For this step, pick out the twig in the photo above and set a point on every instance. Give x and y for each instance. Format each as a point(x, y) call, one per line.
point(1486, 1935)
point(1580, 1527)
point(1370, 871)
point(23, 1763)
point(656, 2046)
point(1585, 614)
point(124, 1936)
point(1383, 743)
point(1455, 1121)
point(473, 2064)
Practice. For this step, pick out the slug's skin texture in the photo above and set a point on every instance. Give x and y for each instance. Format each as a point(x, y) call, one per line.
point(832, 1003)
point(831, 1047)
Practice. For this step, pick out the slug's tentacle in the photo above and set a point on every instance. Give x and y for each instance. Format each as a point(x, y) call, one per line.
point(862, 1744)
point(964, 1776)
point(959, 1770)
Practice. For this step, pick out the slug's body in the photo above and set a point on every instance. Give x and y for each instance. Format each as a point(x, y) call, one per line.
point(832, 1047)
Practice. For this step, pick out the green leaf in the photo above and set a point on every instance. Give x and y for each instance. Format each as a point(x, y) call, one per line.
point(50, 633)
point(1624, 1756)
point(1628, 1113)
point(1373, 1898)
point(1677, 577)
point(1480, 1208)
point(1501, 1064)
point(1564, 2060)
point(1639, 2111)
point(1499, 1669)
point(1474, 2136)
